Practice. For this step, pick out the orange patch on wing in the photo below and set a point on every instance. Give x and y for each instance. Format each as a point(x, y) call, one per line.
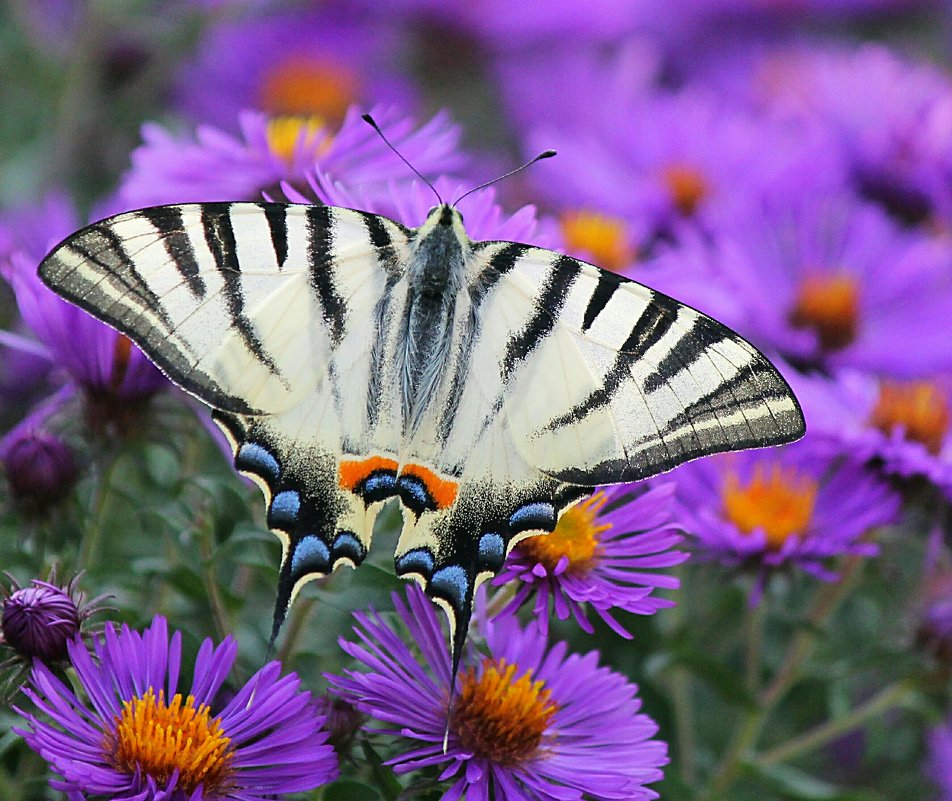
point(443, 491)
point(352, 472)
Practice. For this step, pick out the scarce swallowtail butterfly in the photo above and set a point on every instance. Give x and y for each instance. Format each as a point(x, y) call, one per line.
point(487, 386)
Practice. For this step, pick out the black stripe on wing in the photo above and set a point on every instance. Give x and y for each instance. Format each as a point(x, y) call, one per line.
point(604, 289)
point(499, 264)
point(548, 305)
point(277, 216)
point(169, 222)
point(653, 323)
point(321, 260)
point(220, 238)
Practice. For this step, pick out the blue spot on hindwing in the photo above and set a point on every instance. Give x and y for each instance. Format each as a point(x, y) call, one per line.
point(347, 546)
point(284, 508)
point(492, 551)
point(415, 494)
point(419, 560)
point(535, 515)
point(255, 458)
point(310, 556)
point(453, 584)
point(379, 486)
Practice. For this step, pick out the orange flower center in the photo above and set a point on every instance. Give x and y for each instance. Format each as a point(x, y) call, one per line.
point(603, 237)
point(302, 86)
point(500, 717)
point(919, 408)
point(576, 536)
point(829, 304)
point(687, 186)
point(157, 739)
point(285, 133)
point(780, 503)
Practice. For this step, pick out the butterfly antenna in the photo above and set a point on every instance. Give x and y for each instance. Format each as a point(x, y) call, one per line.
point(545, 154)
point(373, 124)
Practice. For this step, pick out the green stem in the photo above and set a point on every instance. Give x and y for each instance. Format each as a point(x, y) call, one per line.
point(891, 696)
point(744, 739)
point(93, 535)
point(755, 619)
point(681, 698)
point(294, 626)
point(217, 606)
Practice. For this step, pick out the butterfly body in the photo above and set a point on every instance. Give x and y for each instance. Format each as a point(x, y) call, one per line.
point(485, 385)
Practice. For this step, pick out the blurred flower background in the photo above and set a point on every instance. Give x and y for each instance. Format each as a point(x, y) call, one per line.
point(769, 625)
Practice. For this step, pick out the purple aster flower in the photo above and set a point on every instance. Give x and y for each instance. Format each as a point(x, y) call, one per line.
point(40, 620)
point(40, 468)
point(527, 722)
point(604, 552)
point(793, 506)
point(934, 626)
point(828, 281)
point(940, 759)
point(409, 204)
point(903, 427)
point(891, 115)
point(312, 63)
point(115, 376)
point(502, 26)
point(671, 158)
point(215, 165)
point(139, 736)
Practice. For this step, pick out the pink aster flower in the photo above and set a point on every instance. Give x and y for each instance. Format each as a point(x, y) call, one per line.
point(529, 722)
point(607, 553)
point(796, 506)
point(141, 736)
point(217, 166)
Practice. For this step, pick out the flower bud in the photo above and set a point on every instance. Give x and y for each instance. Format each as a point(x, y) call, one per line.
point(37, 621)
point(40, 469)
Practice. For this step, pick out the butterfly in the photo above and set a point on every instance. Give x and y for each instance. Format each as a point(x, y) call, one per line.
point(350, 360)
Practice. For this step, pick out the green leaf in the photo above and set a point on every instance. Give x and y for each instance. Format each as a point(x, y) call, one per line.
point(798, 784)
point(387, 783)
point(724, 681)
point(350, 790)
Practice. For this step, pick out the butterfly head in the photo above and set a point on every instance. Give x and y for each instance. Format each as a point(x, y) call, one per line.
point(441, 221)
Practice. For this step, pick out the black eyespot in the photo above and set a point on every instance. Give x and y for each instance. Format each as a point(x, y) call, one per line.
point(432, 209)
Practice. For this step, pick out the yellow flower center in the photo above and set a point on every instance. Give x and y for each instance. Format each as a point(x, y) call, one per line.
point(687, 186)
point(576, 536)
point(920, 408)
point(302, 86)
point(499, 717)
point(603, 237)
point(157, 739)
point(829, 304)
point(284, 133)
point(780, 503)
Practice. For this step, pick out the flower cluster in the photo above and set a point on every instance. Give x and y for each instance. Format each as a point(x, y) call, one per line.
point(731, 154)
